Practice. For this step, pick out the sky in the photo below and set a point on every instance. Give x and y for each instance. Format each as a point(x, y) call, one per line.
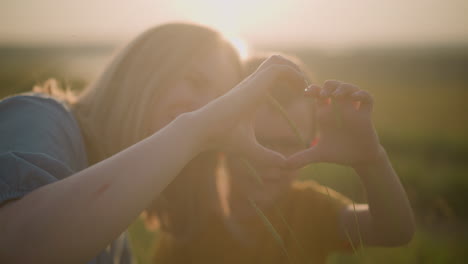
point(326, 23)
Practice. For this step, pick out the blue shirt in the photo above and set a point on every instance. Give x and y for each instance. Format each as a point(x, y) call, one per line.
point(40, 143)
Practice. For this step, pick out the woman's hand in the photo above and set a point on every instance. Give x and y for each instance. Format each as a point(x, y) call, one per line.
point(227, 122)
point(346, 132)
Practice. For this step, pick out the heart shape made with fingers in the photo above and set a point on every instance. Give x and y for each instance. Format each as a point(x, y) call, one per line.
point(341, 115)
point(343, 120)
point(340, 112)
point(273, 70)
point(284, 123)
point(288, 123)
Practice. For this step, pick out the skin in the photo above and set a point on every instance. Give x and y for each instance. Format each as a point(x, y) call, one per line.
point(197, 85)
point(387, 219)
point(272, 131)
point(109, 195)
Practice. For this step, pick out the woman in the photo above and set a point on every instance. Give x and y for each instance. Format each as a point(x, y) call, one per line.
point(73, 177)
point(264, 216)
point(310, 220)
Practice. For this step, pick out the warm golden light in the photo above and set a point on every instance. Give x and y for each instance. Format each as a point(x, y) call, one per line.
point(241, 46)
point(328, 24)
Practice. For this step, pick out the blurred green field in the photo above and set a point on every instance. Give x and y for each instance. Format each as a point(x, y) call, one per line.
point(420, 114)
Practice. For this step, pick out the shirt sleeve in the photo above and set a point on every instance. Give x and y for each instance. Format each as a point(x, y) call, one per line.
point(40, 142)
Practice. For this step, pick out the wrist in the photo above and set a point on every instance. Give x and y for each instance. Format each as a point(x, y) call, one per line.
point(191, 130)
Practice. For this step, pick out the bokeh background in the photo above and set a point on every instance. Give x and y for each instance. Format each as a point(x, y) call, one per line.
point(411, 55)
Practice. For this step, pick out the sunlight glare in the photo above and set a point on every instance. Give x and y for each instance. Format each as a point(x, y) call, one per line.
point(241, 46)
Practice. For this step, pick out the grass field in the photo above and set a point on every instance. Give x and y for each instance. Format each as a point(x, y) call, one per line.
point(421, 115)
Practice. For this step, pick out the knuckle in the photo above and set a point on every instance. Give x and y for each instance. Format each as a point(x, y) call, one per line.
point(274, 59)
point(279, 68)
point(277, 57)
point(348, 87)
point(331, 84)
point(367, 94)
point(314, 88)
point(271, 68)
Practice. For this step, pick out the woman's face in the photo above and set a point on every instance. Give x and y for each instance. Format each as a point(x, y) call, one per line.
point(207, 76)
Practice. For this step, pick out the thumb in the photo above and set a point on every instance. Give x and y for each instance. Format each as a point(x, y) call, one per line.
point(303, 158)
point(260, 154)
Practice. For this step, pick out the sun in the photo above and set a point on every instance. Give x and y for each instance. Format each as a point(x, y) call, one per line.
point(240, 45)
point(223, 16)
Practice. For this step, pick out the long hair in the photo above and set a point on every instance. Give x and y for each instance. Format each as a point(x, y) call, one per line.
point(188, 202)
point(113, 112)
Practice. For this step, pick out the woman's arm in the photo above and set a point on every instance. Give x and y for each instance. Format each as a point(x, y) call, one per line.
point(71, 220)
point(347, 137)
point(387, 219)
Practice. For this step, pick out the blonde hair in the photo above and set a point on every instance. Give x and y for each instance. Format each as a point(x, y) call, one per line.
point(113, 111)
point(52, 87)
point(113, 114)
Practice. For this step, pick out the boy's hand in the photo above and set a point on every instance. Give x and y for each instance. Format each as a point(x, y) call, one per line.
point(346, 133)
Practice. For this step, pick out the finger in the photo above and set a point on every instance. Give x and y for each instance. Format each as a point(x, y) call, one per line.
point(250, 92)
point(342, 96)
point(313, 91)
point(278, 59)
point(365, 99)
point(275, 72)
point(303, 158)
point(264, 156)
point(329, 87)
point(344, 89)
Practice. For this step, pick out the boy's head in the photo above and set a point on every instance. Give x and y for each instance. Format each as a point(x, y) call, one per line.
point(274, 131)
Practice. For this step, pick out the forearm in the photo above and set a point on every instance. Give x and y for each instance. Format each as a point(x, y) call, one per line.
point(71, 220)
point(391, 218)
